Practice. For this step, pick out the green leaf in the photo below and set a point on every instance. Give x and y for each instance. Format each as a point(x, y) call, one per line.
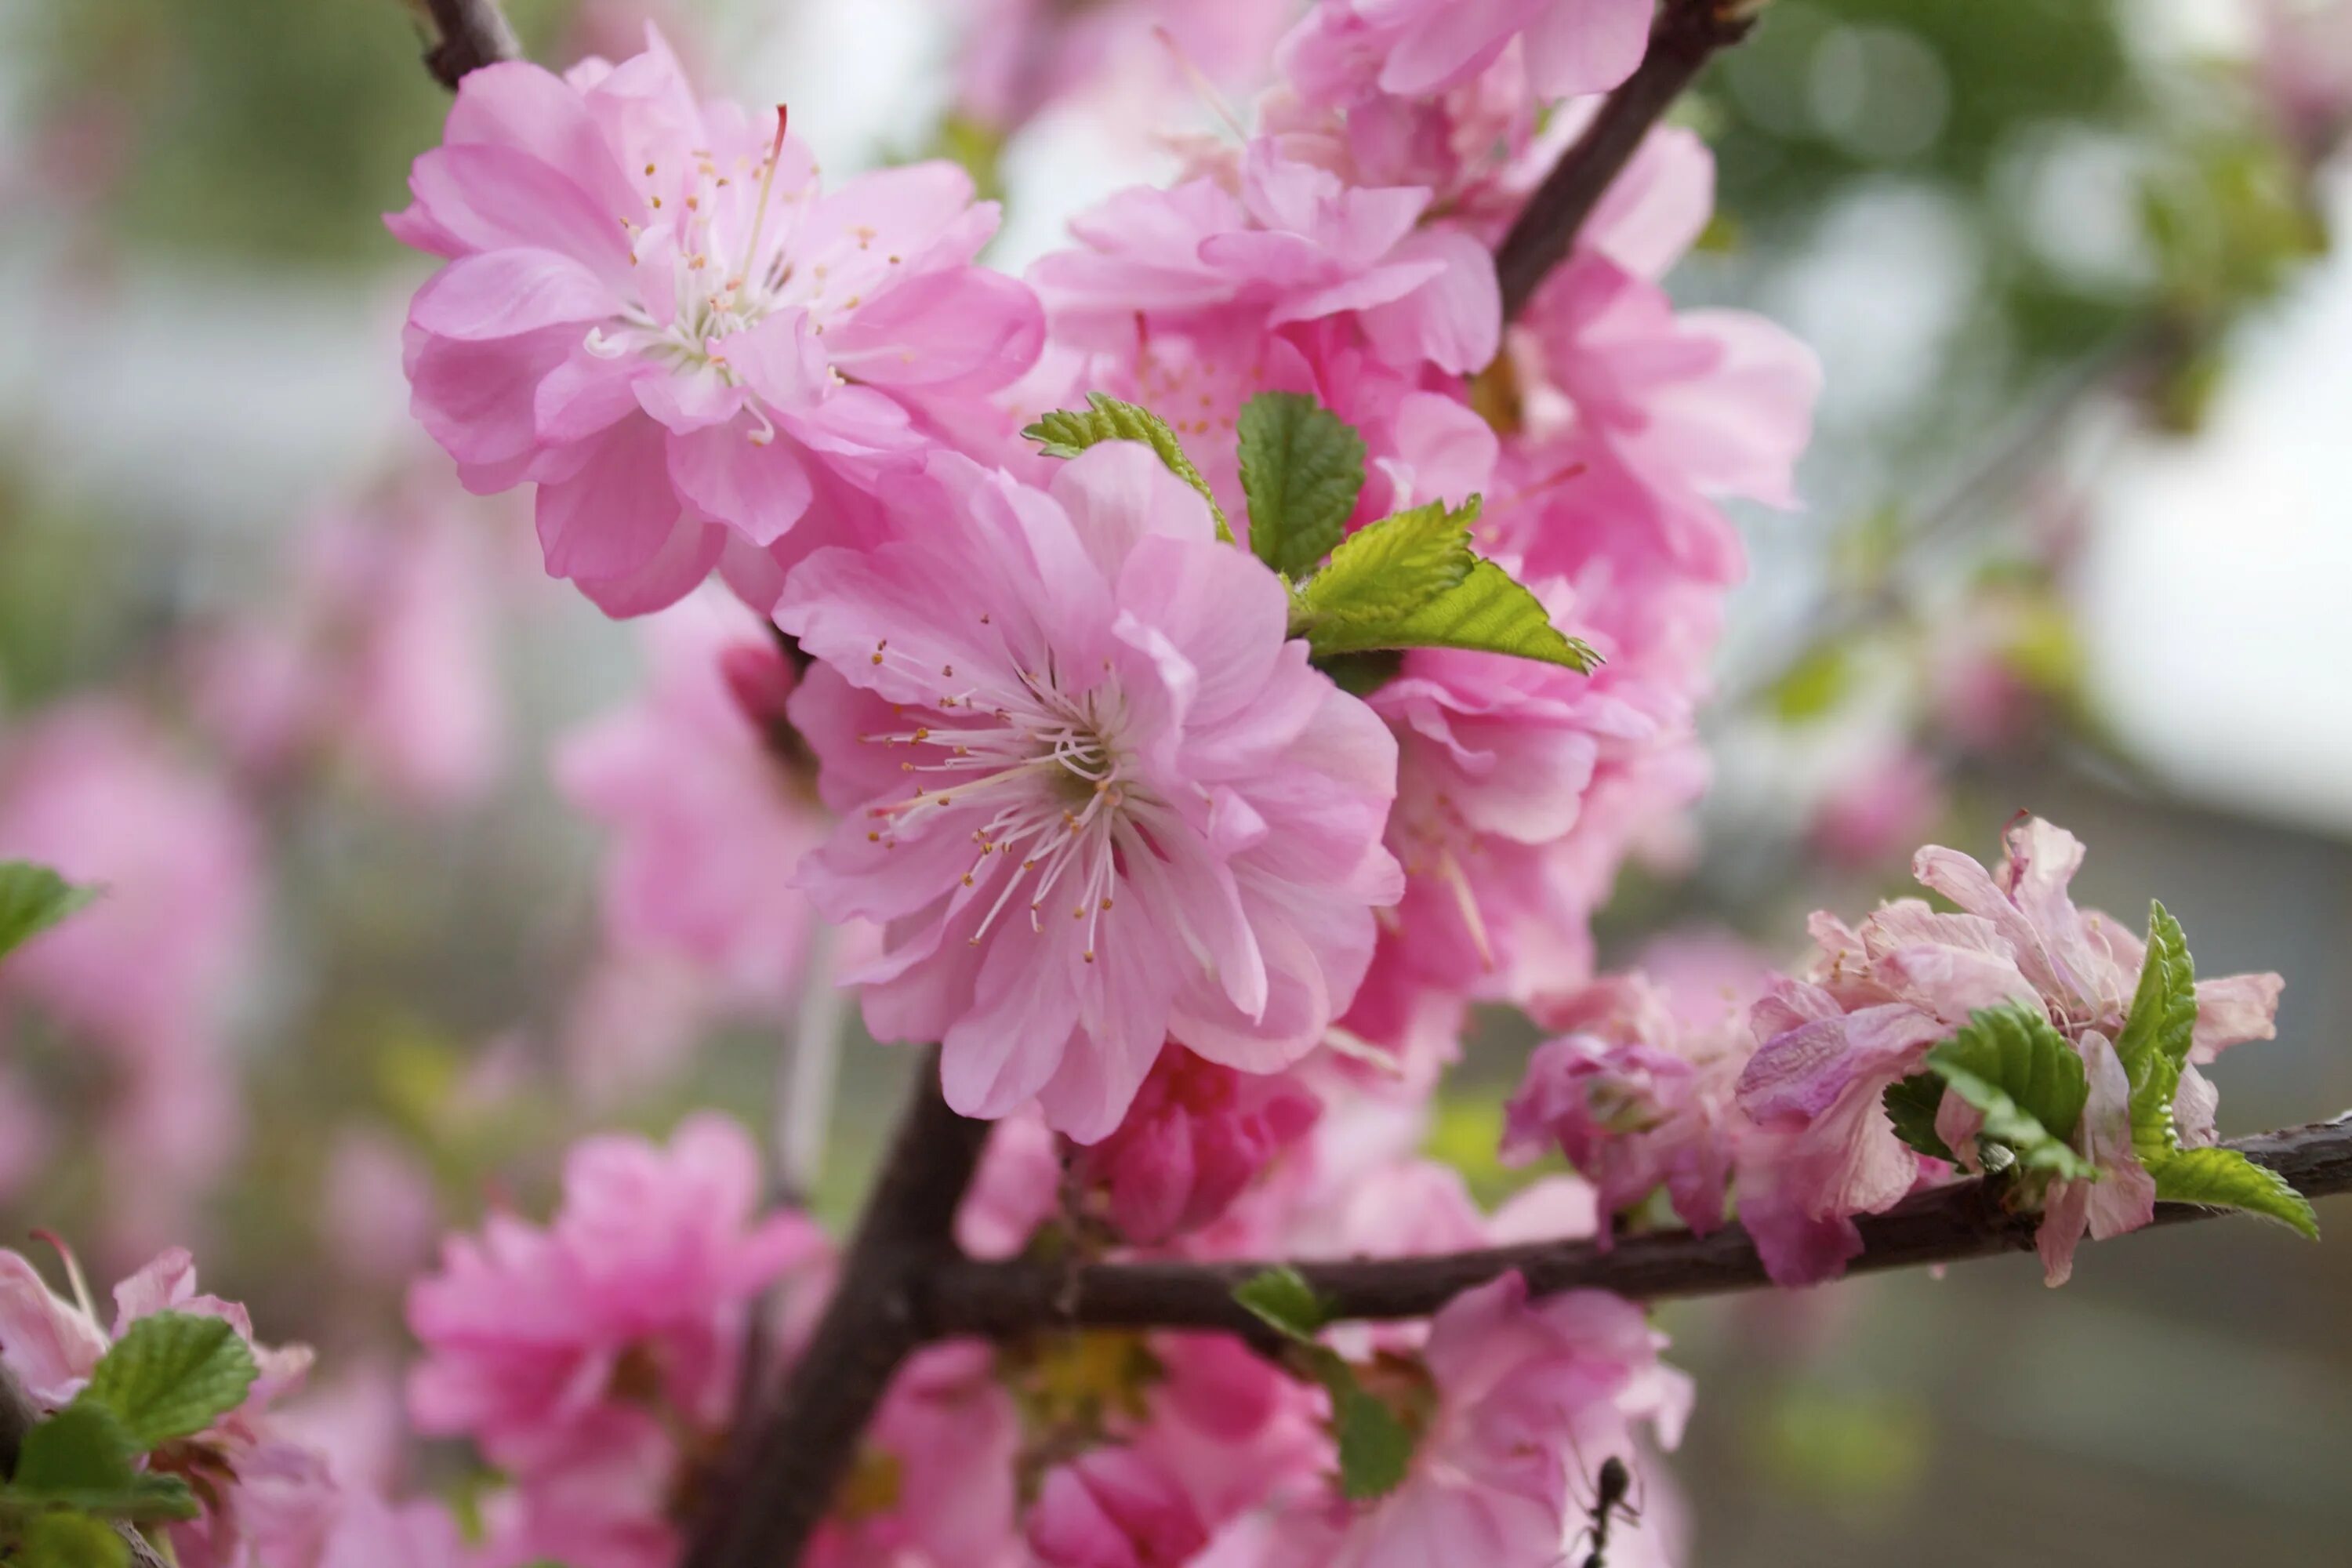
point(1382, 573)
point(82, 1458)
point(1375, 1447)
point(32, 899)
point(2026, 1080)
point(55, 1540)
point(1067, 432)
point(2226, 1179)
point(1282, 1298)
point(1912, 1104)
point(1407, 597)
point(171, 1376)
point(2152, 1044)
point(1302, 469)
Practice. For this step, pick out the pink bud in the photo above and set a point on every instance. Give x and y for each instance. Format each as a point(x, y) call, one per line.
point(759, 678)
point(1113, 1509)
point(1197, 1134)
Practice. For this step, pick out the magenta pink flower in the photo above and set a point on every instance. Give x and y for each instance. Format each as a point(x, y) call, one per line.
point(1112, 1508)
point(1416, 48)
point(1197, 1134)
point(1096, 796)
point(652, 310)
point(539, 1341)
point(933, 1483)
point(707, 818)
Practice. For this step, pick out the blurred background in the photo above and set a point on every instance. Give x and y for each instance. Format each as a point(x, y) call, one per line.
point(2079, 539)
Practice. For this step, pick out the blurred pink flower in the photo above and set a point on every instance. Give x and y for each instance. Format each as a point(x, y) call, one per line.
point(933, 1486)
point(540, 1342)
point(1876, 810)
point(1417, 49)
point(1107, 717)
point(709, 818)
point(652, 312)
point(1112, 1508)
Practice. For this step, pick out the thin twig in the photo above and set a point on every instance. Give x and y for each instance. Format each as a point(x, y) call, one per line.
point(876, 1318)
point(1943, 1226)
point(473, 33)
point(1687, 35)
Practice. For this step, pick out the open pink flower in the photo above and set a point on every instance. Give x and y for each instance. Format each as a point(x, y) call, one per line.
point(1096, 795)
point(652, 310)
point(538, 1341)
point(1529, 1397)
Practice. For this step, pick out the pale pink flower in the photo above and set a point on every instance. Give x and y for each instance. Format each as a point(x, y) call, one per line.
point(379, 1217)
point(1880, 996)
point(708, 817)
point(1112, 1508)
point(1197, 1134)
point(539, 1341)
point(1414, 48)
point(652, 310)
point(1096, 795)
point(1017, 59)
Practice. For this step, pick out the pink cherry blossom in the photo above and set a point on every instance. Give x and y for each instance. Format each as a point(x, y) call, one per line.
point(1417, 49)
point(1197, 1134)
point(709, 818)
point(1885, 805)
point(1112, 1508)
point(652, 310)
point(539, 1341)
point(1019, 59)
point(1096, 796)
point(933, 1483)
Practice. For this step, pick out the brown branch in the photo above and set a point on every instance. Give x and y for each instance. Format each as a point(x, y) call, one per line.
point(1687, 35)
point(473, 33)
point(878, 1316)
point(1944, 1225)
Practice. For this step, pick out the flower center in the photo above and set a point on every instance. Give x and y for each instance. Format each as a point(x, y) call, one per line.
point(1040, 772)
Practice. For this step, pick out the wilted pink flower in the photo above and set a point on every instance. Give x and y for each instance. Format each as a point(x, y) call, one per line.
point(1097, 797)
point(1881, 996)
point(709, 818)
point(1197, 1134)
point(651, 311)
point(1416, 48)
point(1112, 1508)
point(538, 1341)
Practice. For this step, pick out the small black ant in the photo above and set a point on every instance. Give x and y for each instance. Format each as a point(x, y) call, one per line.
point(1609, 1505)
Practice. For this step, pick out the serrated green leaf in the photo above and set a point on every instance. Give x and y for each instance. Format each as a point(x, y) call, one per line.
point(1067, 432)
point(2152, 1044)
point(32, 899)
point(57, 1540)
point(1490, 612)
point(1375, 1447)
point(1383, 574)
point(171, 1376)
point(2224, 1178)
point(83, 1457)
point(1912, 1104)
point(2026, 1081)
point(1282, 1298)
point(1302, 469)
